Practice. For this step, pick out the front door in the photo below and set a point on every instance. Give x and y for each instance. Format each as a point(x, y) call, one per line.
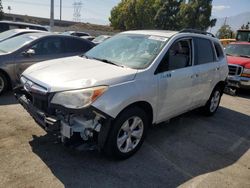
point(175, 80)
point(45, 49)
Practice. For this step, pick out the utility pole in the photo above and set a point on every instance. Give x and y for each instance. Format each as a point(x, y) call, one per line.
point(52, 15)
point(60, 9)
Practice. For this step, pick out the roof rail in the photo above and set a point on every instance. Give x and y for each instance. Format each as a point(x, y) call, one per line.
point(196, 31)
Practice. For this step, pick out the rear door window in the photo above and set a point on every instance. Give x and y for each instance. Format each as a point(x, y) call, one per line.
point(48, 46)
point(204, 52)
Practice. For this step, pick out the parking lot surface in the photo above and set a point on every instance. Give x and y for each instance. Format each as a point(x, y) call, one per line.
point(189, 151)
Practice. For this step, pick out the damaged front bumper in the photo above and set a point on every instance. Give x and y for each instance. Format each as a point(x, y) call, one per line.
point(88, 123)
point(49, 123)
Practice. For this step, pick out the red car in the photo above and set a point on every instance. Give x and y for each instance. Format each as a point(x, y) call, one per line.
point(238, 56)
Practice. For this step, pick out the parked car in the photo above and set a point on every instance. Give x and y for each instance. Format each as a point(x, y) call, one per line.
point(76, 33)
point(90, 38)
point(100, 39)
point(238, 55)
point(16, 32)
point(118, 88)
point(16, 54)
point(8, 25)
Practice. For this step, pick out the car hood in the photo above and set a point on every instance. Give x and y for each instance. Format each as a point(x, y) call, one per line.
point(243, 61)
point(75, 73)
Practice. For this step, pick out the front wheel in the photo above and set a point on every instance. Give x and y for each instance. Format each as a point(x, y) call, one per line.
point(127, 133)
point(213, 103)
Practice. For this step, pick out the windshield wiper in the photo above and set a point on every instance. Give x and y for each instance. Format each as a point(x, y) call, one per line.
point(107, 61)
point(229, 54)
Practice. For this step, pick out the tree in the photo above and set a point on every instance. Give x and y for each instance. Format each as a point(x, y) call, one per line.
point(133, 14)
point(167, 17)
point(247, 26)
point(117, 18)
point(196, 14)
point(162, 14)
point(225, 32)
point(1, 10)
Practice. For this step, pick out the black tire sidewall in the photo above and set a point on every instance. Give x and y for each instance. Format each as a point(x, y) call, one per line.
point(5, 83)
point(111, 145)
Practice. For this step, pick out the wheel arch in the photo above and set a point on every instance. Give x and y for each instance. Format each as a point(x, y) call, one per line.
point(7, 77)
point(221, 85)
point(146, 106)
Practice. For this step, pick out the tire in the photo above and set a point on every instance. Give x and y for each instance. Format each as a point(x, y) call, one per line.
point(124, 140)
point(213, 103)
point(3, 83)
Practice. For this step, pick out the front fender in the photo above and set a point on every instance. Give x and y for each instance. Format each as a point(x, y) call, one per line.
point(118, 97)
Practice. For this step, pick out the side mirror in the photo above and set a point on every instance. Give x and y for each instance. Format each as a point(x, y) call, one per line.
point(29, 53)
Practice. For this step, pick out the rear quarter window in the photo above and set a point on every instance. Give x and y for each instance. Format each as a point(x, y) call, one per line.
point(4, 27)
point(204, 52)
point(218, 50)
point(73, 45)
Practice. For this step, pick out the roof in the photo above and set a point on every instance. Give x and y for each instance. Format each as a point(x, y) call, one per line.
point(37, 35)
point(44, 34)
point(24, 30)
point(162, 33)
point(21, 23)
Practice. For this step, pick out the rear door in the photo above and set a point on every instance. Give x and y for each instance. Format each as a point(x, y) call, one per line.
point(174, 76)
point(205, 70)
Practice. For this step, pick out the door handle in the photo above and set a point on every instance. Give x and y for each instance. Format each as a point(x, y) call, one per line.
point(217, 68)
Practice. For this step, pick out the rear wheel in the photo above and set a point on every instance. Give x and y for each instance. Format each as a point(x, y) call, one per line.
point(3, 83)
point(127, 133)
point(213, 103)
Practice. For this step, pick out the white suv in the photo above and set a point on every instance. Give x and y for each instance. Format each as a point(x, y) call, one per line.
point(112, 94)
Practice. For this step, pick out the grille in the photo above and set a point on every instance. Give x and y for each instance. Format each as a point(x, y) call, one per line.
point(40, 102)
point(235, 70)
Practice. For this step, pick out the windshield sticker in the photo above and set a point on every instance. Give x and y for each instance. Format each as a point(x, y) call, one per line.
point(158, 38)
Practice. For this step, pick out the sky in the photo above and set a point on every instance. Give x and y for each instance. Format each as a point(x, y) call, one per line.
point(98, 11)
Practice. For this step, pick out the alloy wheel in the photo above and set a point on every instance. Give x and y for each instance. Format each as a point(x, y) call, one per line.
point(215, 101)
point(130, 134)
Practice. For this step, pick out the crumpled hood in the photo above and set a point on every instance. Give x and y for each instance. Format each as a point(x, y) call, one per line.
point(75, 73)
point(243, 61)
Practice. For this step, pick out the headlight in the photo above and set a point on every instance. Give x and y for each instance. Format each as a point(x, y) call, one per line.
point(78, 99)
point(246, 72)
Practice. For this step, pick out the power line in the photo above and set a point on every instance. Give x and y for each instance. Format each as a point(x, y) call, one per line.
point(37, 4)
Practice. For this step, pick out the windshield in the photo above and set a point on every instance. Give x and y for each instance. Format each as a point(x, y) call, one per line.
point(238, 50)
point(7, 34)
point(130, 50)
point(15, 43)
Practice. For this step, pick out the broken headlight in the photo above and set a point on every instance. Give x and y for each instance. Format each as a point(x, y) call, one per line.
point(77, 99)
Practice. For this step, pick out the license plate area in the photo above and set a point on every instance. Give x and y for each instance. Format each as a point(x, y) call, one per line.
point(66, 130)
